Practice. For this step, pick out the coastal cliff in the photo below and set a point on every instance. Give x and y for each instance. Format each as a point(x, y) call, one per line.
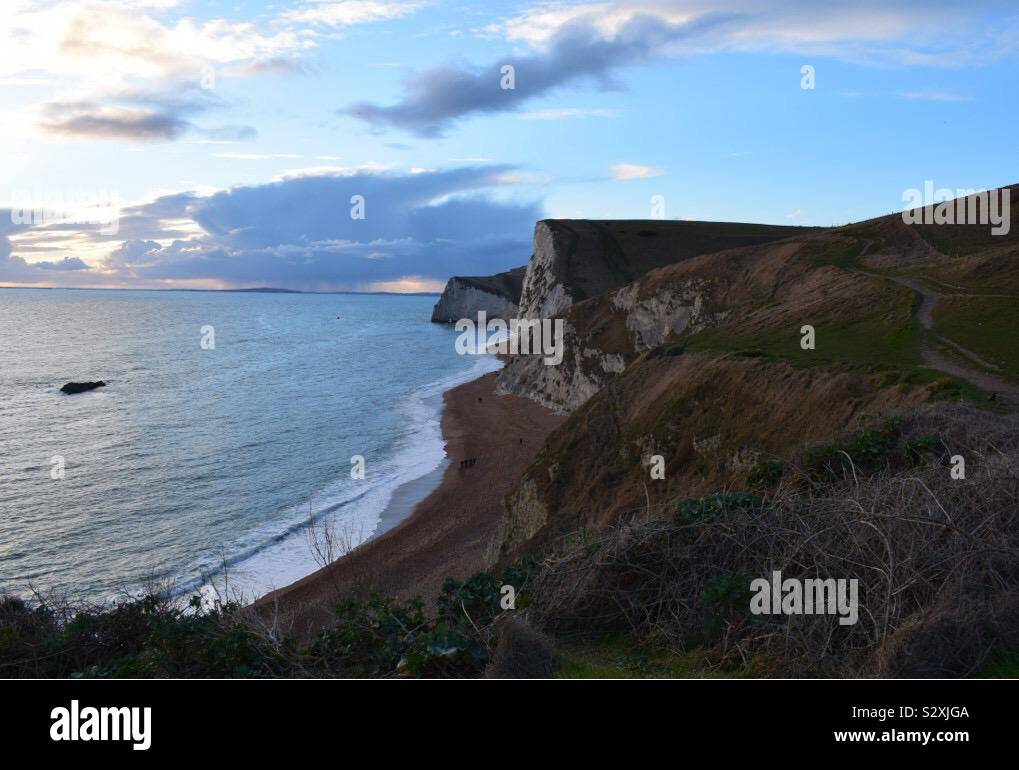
point(575, 259)
point(466, 296)
point(700, 361)
point(578, 272)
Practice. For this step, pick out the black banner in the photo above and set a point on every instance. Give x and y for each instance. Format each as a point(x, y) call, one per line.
point(241, 718)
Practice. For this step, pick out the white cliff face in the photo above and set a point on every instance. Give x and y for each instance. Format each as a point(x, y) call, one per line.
point(464, 300)
point(670, 310)
point(544, 295)
point(651, 315)
point(564, 387)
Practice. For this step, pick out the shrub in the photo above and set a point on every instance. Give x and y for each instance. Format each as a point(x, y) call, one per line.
point(712, 507)
point(936, 560)
point(765, 473)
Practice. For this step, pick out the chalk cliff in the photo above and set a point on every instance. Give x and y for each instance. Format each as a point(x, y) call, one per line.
point(575, 259)
point(464, 297)
point(578, 272)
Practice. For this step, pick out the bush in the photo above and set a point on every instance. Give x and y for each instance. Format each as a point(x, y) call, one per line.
point(150, 636)
point(936, 560)
point(765, 473)
point(712, 507)
point(866, 452)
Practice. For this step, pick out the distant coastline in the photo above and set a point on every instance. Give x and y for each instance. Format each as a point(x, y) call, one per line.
point(257, 290)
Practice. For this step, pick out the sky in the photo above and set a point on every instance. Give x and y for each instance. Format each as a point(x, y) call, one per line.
point(385, 145)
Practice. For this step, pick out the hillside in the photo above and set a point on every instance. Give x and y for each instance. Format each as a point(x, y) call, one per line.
point(700, 362)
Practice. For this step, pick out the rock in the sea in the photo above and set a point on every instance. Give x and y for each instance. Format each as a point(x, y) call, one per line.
point(80, 387)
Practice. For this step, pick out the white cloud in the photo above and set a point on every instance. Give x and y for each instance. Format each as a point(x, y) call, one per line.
point(624, 171)
point(91, 39)
point(566, 113)
point(934, 96)
point(254, 155)
point(97, 49)
point(907, 33)
point(346, 13)
point(924, 96)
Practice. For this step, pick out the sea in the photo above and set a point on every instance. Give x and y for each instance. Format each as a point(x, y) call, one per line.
point(225, 452)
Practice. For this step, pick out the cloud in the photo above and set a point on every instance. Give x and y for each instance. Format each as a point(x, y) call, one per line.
point(567, 113)
point(67, 263)
point(94, 47)
point(116, 123)
point(298, 232)
point(570, 44)
point(347, 13)
point(137, 115)
point(106, 39)
point(624, 171)
point(15, 269)
point(913, 96)
point(910, 32)
point(261, 156)
point(934, 96)
point(435, 98)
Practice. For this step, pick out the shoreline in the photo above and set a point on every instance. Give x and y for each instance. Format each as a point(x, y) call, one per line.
point(449, 525)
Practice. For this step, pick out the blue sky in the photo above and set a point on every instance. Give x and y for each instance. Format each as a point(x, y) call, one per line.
point(154, 143)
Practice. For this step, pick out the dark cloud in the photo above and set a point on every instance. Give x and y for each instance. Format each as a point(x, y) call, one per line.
point(14, 269)
point(67, 263)
point(138, 115)
point(298, 232)
point(113, 123)
point(436, 98)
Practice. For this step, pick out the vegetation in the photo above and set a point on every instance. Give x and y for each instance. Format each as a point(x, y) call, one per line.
point(936, 559)
point(985, 325)
point(765, 473)
point(162, 636)
point(872, 344)
point(839, 255)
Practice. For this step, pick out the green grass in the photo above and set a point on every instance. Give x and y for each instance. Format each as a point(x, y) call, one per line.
point(890, 353)
point(620, 657)
point(946, 387)
point(986, 326)
point(866, 343)
point(844, 256)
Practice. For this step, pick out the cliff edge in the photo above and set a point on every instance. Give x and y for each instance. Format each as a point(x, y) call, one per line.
point(464, 296)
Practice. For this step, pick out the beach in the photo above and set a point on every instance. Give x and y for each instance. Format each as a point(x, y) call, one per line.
point(449, 531)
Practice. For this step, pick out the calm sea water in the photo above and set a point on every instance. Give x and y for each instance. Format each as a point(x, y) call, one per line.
point(191, 459)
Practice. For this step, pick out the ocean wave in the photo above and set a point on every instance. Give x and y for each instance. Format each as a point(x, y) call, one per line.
point(284, 550)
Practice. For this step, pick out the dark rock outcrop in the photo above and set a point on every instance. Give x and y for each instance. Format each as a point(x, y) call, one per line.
point(80, 387)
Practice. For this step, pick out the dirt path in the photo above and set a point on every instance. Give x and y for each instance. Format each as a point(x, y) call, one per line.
point(933, 357)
